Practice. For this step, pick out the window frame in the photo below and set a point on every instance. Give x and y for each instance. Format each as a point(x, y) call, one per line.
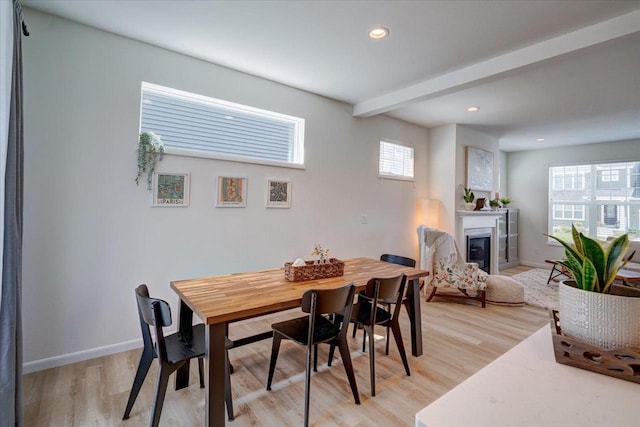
point(398, 177)
point(297, 147)
point(595, 199)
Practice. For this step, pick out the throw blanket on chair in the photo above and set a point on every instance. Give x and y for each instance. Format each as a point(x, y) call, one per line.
point(440, 255)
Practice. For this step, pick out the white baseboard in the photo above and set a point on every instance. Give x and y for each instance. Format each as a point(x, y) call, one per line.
point(65, 359)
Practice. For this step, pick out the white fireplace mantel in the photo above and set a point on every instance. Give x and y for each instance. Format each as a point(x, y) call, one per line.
point(468, 220)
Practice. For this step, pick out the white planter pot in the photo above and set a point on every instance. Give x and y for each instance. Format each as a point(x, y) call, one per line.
point(469, 206)
point(606, 321)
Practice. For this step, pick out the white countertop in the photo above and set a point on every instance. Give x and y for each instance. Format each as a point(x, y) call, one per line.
point(526, 387)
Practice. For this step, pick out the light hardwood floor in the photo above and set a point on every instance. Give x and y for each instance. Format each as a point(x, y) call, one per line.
point(459, 338)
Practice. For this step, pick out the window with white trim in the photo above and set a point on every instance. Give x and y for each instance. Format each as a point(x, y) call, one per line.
point(200, 126)
point(601, 200)
point(396, 160)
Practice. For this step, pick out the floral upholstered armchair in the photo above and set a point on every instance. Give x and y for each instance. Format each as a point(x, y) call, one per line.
point(440, 256)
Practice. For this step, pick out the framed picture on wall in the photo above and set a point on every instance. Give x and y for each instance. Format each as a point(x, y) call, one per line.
point(170, 189)
point(278, 193)
point(479, 169)
point(231, 192)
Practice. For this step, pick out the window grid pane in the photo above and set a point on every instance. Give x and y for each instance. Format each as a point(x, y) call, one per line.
point(602, 200)
point(207, 125)
point(396, 160)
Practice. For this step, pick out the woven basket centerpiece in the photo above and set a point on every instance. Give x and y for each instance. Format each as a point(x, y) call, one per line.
point(312, 271)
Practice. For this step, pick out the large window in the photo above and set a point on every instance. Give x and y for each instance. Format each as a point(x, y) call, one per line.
point(195, 125)
point(396, 160)
point(601, 200)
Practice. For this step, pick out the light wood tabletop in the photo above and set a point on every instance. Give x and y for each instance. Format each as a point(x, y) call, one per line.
point(233, 297)
point(218, 300)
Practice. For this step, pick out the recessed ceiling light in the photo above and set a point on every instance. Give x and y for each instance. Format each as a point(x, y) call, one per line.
point(539, 139)
point(473, 109)
point(379, 33)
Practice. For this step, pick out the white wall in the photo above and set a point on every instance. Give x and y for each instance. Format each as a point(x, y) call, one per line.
point(528, 181)
point(442, 173)
point(447, 167)
point(90, 235)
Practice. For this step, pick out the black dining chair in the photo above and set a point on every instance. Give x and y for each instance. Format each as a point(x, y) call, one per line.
point(170, 350)
point(407, 262)
point(374, 308)
point(400, 260)
point(316, 328)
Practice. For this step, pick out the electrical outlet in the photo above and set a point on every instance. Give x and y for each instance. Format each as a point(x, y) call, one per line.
point(364, 219)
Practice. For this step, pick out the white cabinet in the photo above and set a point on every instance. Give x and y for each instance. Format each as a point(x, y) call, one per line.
point(508, 239)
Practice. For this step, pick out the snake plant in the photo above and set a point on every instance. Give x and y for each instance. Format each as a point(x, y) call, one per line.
point(594, 266)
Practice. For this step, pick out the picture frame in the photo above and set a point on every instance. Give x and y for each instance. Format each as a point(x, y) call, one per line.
point(479, 169)
point(231, 192)
point(170, 189)
point(278, 193)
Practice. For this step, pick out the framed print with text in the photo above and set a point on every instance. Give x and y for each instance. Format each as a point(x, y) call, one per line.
point(231, 192)
point(170, 189)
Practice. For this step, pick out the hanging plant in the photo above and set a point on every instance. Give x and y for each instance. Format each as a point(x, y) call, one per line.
point(150, 152)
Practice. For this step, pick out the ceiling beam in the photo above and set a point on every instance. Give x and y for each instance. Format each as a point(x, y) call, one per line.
point(475, 74)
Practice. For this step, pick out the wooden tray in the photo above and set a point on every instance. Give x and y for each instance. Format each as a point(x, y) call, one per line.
point(312, 271)
point(623, 364)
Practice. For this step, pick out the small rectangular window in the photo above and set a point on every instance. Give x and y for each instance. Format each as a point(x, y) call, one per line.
point(396, 161)
point(200, 126)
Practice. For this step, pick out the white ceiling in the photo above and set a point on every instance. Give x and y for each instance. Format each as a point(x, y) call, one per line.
point(565, 70)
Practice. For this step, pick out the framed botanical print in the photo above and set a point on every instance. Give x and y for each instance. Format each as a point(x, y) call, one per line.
point(479, 169)
point(231, 192)
point(170, 189)
point(278, 193)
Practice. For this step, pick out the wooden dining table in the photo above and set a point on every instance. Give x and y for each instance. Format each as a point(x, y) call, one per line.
point(221, 300)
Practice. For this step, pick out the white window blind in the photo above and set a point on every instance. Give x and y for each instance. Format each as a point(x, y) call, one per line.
point(396, 160)
point(196, 125)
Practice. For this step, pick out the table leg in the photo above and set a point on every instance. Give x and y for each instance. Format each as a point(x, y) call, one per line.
point(413, 296)
point(215, 378)
point(185, 330)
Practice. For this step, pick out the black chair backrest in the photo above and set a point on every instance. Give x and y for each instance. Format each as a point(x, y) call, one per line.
point(154, 312)
point(146, 307)
point(317, 302)
point(397, 259)
point(329, 301)
point(388, 291)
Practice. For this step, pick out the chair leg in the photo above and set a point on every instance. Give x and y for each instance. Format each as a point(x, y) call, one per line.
point(227, 386)
point(364, 339)
point(275, 348)
point(161, 390)
point(315, 358)
point(307, 385)
point(395, 328)
point(348, 367)
point(201, 371)
point(143, 368)
point(483, 298)
point(432, 294)
point(332, 349)
point(372, 362)
point(386, 350)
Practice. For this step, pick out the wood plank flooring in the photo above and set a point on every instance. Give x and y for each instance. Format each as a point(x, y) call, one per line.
point(459, 338)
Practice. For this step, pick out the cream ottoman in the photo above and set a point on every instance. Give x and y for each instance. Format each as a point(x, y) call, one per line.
point(503, 290)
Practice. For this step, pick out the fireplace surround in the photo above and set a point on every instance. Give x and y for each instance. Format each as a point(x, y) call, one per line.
point(477, 223)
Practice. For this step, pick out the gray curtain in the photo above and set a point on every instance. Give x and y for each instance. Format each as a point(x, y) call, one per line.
point(11, 413)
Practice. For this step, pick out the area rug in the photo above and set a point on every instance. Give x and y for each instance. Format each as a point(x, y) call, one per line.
point(536, 290)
